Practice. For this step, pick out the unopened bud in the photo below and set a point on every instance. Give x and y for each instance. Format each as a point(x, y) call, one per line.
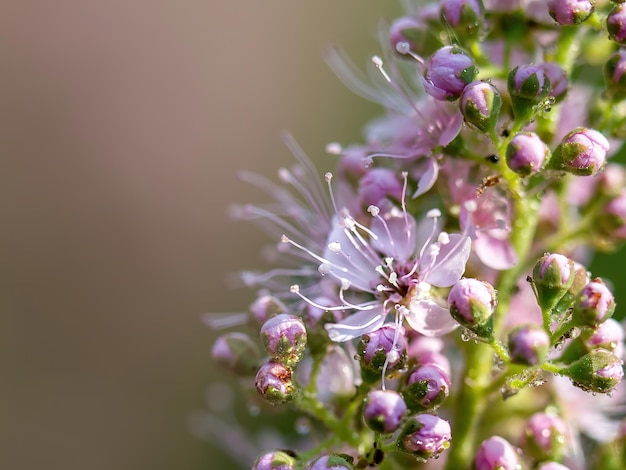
point(480, 105)
point(450, 70)
point(594, 305)
point(570, 12)
point(545, 436)
point(472, 303)
point(265, 307)
point(273, 382)
point(284, 338)
point(615, 76)
point(426, 388)
point(598, 371)
point(616, 24)
point(528, 345)
point(553, 275)
point(528, 86)
point(612, 219)
point(275, 460)
point(464, 16)
point(406, 30)
point(582, 152)
point(496, 453)
point(237, 352)
point(331, 462)
point(558, 80)
point(425, 436)
point(608, 335)
point(526, 153)
point(385, 346)
point(384, 410)
point(552, 466)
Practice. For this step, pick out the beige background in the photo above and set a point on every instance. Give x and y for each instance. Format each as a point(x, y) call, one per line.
point(122, 126)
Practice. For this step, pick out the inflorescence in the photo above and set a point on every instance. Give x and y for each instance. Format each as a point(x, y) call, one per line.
point(430, 302)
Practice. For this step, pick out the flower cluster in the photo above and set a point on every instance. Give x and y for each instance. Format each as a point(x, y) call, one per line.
point(429, 299)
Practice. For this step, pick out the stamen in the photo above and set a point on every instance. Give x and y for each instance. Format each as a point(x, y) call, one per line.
point(378, 62)
point(328, 177)
point(335, 247)
point(404, 48)
point(295, 289)
point(285, 239)
point(443, 238)
point(405, 175)
point(373, 210)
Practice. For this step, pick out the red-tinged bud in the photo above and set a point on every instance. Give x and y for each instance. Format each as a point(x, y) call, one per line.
point(594, 305)
point(273, 382)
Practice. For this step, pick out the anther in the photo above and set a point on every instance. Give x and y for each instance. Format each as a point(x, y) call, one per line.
point(433, 214)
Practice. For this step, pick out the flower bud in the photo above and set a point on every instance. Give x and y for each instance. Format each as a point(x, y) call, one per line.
point(611, 181)
point(558, 80)
point(273, 382)
point(612, 219)
point(528, 344)
point(581, 279)
point(528, 86)
point(237, 352)
point(331, 462)
point(425, 436)
point(594, 305)
point(553, 275)
point(496, 453)
point(480, 105)
point(386, 345)
point(614, 75)
point(463, 16)
point(472, 303)
point(570, 12)
point(526, 153)
point(379, 184)
point(275, 460)
point(284, 338)
point(598, 371)
point(406, 29)
point(426, 388)
point(384, 410)
point(582, 152)
point(608, 335)
point(552, 466)
point(545, 436)
point(265, 307)
point(616, 24)
point(449, 72)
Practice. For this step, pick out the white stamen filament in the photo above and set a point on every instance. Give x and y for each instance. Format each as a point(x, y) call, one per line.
point(285, 239)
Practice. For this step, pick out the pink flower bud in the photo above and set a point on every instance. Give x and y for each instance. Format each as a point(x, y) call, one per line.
point(384, 410)
point(496, 453)
point(425, 436)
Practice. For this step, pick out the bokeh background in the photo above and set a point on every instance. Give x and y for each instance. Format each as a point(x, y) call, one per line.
point(122, 127)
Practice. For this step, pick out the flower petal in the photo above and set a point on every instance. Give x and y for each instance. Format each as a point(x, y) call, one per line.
point(354, 326)
point(451, 260)
point(495, 252)
point(428, 177)
point(430, 319)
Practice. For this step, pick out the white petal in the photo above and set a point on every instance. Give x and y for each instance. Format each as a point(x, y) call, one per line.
point(430, 319)
point(449, 270)
point(355, 326)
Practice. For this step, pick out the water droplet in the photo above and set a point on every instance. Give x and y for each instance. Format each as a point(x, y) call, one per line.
point(303, 425)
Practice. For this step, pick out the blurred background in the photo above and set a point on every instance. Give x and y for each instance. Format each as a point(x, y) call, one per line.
point(122, 127)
